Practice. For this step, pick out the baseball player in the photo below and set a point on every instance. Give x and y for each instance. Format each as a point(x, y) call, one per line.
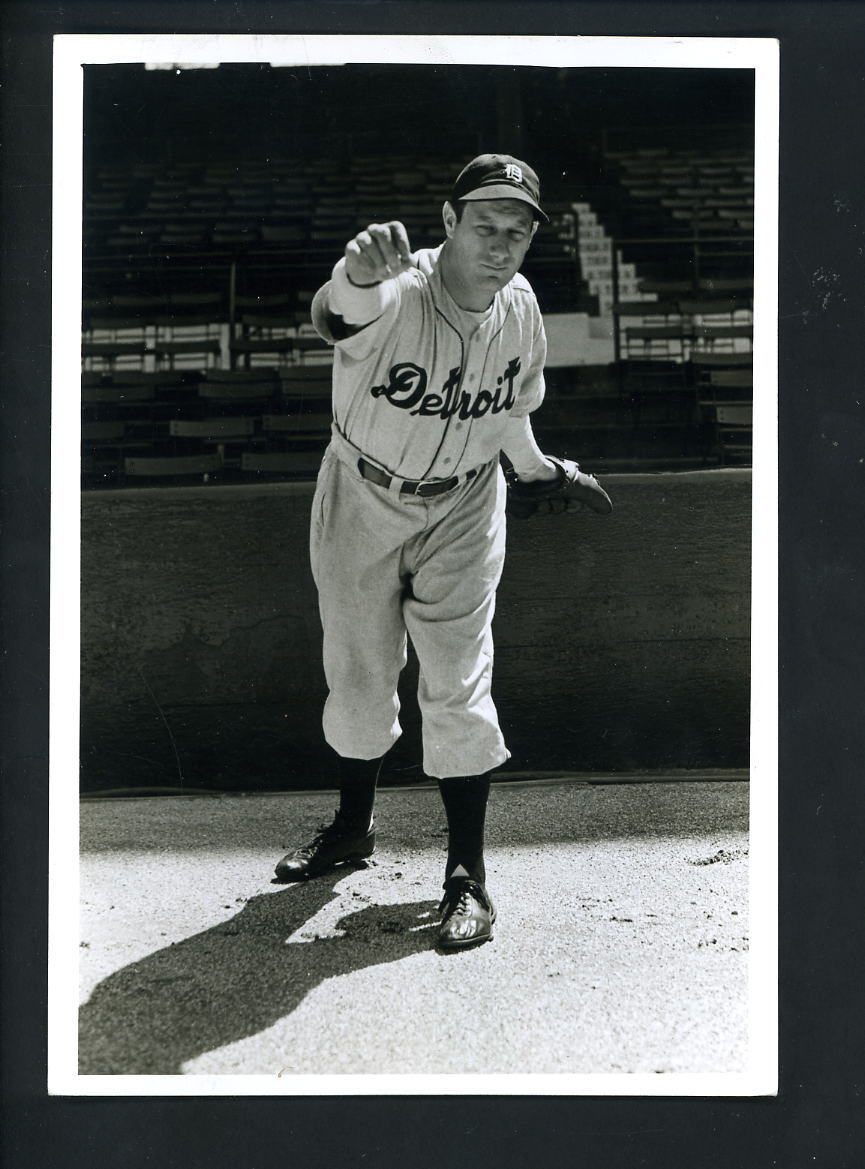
point(438, 364)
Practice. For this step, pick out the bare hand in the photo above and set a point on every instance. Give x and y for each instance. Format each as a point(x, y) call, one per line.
point(378, 253)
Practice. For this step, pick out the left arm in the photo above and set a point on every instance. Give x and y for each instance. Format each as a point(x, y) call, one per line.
point(541, 482)
point(521, 448)
point(518, 442)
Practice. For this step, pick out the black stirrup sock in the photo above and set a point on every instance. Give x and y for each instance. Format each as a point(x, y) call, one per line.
point(465, 800)
point(357, 785)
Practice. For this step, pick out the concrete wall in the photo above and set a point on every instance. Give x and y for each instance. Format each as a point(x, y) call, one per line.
point(621, 643)
point(575, 339)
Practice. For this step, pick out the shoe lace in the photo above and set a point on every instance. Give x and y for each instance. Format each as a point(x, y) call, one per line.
point(326, 832)
point(458, 896)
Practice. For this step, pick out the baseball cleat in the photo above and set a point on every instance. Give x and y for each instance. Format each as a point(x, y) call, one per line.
point(335, 844)
point(468, 914)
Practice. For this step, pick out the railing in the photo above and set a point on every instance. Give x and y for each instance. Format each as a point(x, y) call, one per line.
point(697, 254)
point(236, 273)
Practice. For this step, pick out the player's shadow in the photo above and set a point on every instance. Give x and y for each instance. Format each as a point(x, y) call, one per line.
point(236, 979)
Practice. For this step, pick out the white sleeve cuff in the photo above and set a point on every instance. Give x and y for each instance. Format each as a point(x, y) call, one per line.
point(357, 306)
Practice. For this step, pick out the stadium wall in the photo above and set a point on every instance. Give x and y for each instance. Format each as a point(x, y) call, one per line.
point(621, 643)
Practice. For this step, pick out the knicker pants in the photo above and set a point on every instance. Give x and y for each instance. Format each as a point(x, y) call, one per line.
point(387, 565)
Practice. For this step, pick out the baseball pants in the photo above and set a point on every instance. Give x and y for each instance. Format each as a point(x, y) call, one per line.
point(386, 566)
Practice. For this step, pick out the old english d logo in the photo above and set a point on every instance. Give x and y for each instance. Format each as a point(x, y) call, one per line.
point(406, 386)
point(514, 172)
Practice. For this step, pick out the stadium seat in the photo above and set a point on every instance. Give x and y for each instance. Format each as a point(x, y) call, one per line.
point(212, 428)
point(302, 425)
point(734, 431)
point(172, 466)
point(298, 463)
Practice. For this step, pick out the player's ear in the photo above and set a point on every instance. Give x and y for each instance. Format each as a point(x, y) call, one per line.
point(534, 227)
point(449, 218)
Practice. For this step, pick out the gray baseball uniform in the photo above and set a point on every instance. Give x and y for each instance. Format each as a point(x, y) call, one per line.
point(426, 392)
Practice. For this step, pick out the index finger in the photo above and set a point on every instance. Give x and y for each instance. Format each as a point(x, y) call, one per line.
point(399, 239)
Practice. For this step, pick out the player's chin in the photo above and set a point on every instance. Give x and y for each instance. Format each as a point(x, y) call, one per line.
point(498, 276)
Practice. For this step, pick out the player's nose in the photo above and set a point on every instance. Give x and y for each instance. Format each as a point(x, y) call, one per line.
point(498, 250)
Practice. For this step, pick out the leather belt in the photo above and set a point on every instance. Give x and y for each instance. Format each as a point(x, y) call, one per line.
point(422, 487)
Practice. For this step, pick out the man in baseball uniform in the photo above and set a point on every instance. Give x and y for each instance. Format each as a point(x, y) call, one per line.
point(438, 363)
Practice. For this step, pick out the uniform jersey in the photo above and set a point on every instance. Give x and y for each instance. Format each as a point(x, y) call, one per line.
point(425, 389)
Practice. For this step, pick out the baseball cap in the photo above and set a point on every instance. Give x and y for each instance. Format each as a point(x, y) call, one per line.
point(498, 176)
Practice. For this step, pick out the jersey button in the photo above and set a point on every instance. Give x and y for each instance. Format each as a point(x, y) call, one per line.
point(472, 377)
point(458, 426)
point(446, 462)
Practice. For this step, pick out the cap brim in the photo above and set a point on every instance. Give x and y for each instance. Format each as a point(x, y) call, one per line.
point(502, 191)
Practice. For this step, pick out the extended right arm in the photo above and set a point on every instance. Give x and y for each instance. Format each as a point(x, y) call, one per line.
point(361, 286)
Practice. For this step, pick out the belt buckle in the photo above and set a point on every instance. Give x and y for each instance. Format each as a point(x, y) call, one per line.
point(426, 487)
point(440, 486)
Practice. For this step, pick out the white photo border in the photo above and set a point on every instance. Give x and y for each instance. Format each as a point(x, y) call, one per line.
point(71, 53)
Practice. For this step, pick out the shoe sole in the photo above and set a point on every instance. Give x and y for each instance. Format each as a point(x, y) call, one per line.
point(356, 858)
point(294, 878)
point(447, 947)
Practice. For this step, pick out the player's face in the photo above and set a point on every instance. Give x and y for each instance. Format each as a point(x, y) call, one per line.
point(486, 247)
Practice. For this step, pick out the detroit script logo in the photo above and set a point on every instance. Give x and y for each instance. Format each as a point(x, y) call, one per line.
point(407, 389)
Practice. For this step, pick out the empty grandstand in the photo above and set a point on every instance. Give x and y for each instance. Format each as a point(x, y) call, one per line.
point(210, 222)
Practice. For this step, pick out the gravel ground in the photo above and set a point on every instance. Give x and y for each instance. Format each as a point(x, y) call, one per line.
point(621, 942)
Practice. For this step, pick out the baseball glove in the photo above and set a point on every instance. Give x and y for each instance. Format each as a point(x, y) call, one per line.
point(572, 489)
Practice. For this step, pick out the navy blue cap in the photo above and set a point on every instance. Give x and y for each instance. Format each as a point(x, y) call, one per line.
point(499, 176)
